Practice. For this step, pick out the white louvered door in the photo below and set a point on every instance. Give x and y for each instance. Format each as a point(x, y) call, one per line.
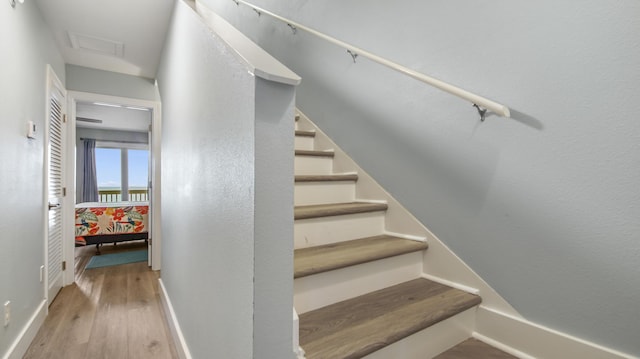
point(55, 165)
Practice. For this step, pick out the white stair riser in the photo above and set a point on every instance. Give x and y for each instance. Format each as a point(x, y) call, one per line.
point(313, 165)
point(303, 143)
point(307, 193)
point(325, 230)
point(319, 290)
point(431, 341)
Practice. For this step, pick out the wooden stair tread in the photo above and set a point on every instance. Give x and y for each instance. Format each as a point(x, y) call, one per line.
point(362, 325)
point(336, 209)
point(305, 133)
point(314, 153)
point(326, 178)
point(473, 348)
point(313, 260)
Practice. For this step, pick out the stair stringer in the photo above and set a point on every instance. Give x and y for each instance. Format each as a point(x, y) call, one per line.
point(440, 264)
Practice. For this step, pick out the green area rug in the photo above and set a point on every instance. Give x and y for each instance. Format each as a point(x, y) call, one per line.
point(115, 259)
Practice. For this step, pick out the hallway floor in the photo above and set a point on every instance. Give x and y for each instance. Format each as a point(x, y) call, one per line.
point(110, 312)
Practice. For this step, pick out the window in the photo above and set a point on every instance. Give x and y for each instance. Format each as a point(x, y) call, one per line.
point(109, 174)
point(138, 174)
point(123, 173)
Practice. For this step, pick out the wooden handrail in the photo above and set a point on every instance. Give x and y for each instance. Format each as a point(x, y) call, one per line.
point(478, 100)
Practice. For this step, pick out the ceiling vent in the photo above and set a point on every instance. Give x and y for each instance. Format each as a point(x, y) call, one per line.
point(96, 44)
point(84, 119)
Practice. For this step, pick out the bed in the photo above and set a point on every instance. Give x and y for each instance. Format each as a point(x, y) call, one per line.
point(98, 223)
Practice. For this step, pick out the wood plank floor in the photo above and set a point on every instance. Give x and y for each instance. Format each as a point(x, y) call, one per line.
point(473, 348)
point(110, 312)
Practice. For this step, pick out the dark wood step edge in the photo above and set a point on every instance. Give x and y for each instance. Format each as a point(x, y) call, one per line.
point(324, 258)
point(305, 133)
point(327, 178)
point(337, 209)
point(314, 153)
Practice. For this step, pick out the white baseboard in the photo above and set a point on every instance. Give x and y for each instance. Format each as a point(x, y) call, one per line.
point(28, 333)
point(524, 339)
point(451, 284)
point(174, 326)
point(298, 352)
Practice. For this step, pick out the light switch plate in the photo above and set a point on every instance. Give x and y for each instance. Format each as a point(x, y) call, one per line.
point(31, 129)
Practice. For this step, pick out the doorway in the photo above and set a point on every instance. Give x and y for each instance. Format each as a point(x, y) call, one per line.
point(78, 102)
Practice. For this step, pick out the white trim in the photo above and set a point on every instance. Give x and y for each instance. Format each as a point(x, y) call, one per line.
point(121, 145)
point(521, 335)
point(174, 325)
point(21, 343)
point(73, 97)
point(258, 61)
point(449, 283)
point(298, 352)
point(68, 242)
point(156, 171)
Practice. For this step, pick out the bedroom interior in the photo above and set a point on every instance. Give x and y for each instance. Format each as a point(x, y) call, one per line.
point(112, 167)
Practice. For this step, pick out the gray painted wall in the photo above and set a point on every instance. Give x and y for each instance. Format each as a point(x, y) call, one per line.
point(227, 221)
point(109, 83)
point(27, 47)
point(273, 226)
point(544, 206)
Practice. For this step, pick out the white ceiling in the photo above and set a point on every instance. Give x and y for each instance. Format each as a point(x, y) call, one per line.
point(135, 29)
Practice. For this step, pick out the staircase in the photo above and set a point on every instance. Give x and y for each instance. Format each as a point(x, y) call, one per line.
point(359, 289)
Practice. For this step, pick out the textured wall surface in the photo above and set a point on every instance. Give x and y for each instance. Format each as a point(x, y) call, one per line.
point(27, 47)
point(227, 250)
point(207, 190)
point(109, 83)
point(544, 206)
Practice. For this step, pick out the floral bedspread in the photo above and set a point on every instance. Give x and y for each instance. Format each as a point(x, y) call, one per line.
point(92, 221)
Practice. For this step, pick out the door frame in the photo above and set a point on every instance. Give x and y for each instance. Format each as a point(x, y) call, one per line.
point(69, 205)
